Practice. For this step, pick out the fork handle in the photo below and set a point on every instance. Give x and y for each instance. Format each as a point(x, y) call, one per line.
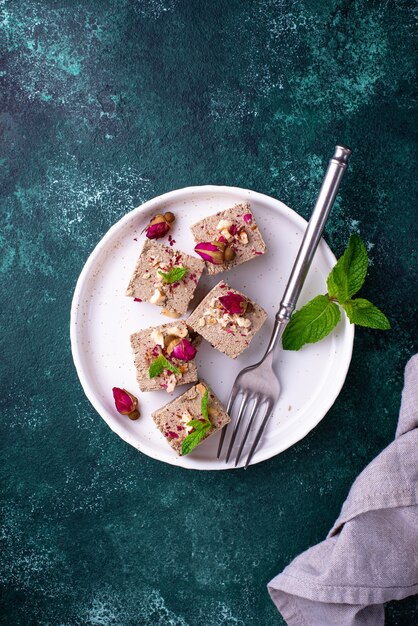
point(311, 239)
point(313, 232)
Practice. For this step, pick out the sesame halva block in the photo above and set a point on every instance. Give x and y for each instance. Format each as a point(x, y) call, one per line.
point(172, 419)
point(163, 342)
point(228, 319)
point(237, 228)
point(147, 282)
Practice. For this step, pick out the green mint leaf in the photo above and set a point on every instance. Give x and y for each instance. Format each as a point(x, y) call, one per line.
point(363, 313)
point(196, 424)
point(204, 406)
point(159, 364)
point(349, 273)
point(311, 323)
point(174, 275)
point(192, 440)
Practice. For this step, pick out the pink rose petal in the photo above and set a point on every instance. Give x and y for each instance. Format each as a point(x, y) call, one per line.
point(233, 303)
point(155, 231)
point(211, 252)
point(125, 402)
point(184, 351)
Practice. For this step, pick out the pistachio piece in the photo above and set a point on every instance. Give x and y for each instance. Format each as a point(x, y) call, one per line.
point(229, 254)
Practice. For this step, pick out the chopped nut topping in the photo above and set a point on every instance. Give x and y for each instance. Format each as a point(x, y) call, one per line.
point(225, 233)
point(243, 322)
point(177, 332)
point(243, 237)
point(146, 275)
point(171, 383)
point(158, 337)
point(158, 297)
point(216, 314)
point(224, 225)
point(201, 388)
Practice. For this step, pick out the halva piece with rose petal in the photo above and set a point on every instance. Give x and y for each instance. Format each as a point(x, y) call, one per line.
point(164, 356)
point(228, 238)
point(228, 319)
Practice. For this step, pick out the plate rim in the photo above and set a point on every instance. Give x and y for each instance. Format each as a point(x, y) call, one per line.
point(85, 273)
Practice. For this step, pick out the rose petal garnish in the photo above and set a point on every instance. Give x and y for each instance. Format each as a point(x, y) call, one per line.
point(125, 403)
point(233, 229)
point(213, 252)
point(155, 231)
point(184, 351)
point(248, 218)
point(234, 303)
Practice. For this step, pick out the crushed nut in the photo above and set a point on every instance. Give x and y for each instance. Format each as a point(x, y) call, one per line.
point(158, 337)
point(229, 253)
point(158, 297)
point(202, 322)
point(243, 322)
point(171, 383)
point(243, 237)
point(201, 388)
point(224, 225)
point(146, 275)
point(225, 233)
point(178, 332)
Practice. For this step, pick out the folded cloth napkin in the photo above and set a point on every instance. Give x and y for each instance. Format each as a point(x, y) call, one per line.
point(371, 554)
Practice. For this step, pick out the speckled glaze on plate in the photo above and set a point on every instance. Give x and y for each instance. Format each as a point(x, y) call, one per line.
point(103, 317)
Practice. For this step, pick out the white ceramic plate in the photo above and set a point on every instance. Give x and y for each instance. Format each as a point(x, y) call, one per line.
point(102, 319)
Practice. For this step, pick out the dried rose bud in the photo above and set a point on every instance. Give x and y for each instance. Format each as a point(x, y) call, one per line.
point(248, 218)
point(212, 251)
point(157, 230)
point(234, 303)
point(233, 229)
point(184, 351)
point(125, 403)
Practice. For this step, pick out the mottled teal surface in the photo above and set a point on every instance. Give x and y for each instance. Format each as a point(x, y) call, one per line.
point(105, 104)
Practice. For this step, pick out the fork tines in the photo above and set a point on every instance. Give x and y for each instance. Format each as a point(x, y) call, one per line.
point(254, 406)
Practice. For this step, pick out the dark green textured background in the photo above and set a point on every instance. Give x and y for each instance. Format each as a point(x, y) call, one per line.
point(105, 104)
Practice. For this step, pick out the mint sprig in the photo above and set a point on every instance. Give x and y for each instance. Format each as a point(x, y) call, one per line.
point(363, 313)
point(174, 274)
point(312, 323)
point(201, 427)
point(349, 273)
point(317, 318)
point(159, 365)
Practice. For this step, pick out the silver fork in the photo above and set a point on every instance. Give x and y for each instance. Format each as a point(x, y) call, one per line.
point(258, 384)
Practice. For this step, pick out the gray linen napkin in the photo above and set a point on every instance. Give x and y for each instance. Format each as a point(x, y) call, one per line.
point(371, 554)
